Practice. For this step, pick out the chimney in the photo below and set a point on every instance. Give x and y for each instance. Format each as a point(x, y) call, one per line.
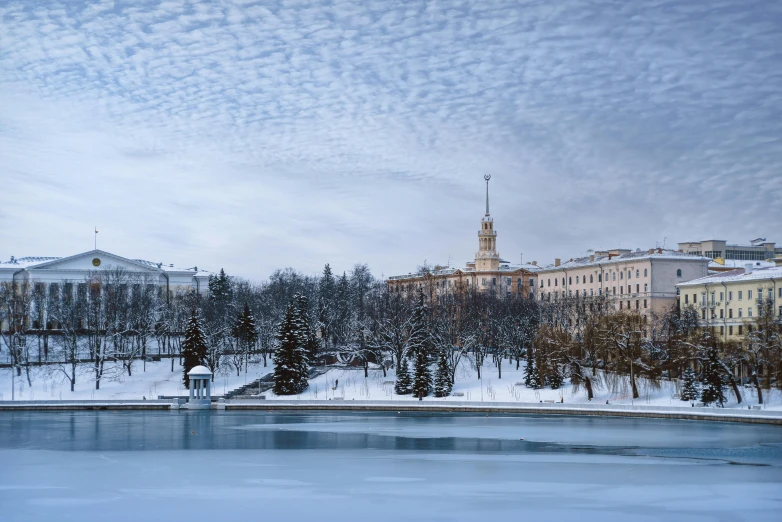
point(748, 268)
point(651, 251)
point(535, 263)
point(659, 250)
point(591, 258)
point(13, 260)
point(610, 255)
point(557, 262)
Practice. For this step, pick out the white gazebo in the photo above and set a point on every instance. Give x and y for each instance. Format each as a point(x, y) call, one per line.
point(200, 388)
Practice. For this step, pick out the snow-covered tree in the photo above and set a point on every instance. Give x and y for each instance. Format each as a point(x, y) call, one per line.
point(404, 383)
point(291, 358)
point(442, 376)
point(193, 347)
point(531, 375)
point(689, 390)
point(246, 335)
point(713, 383)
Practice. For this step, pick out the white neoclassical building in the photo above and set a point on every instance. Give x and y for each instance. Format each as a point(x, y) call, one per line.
point(43, 271)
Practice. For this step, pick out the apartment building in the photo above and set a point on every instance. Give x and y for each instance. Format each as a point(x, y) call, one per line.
point(642, 280)
point(729, 301)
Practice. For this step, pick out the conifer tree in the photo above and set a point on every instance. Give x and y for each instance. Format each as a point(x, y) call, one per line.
point(531, 375)
point(713, 385)
point(193, 346)
point(245, 332)
point(554, 376)
point(220, 288)
point(290, 359)
point(689, 390)
point(404, 384)
point(420, 345)
point(442, 377)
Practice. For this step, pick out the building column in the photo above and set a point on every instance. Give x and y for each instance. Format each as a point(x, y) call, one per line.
point(192, 384)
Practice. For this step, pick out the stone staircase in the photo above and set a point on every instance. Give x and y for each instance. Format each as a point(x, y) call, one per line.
point(266, 383)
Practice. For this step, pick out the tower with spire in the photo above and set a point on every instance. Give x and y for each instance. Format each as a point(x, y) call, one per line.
point(487, 258)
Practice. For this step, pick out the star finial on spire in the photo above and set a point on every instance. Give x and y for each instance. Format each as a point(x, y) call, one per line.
point(487, 177)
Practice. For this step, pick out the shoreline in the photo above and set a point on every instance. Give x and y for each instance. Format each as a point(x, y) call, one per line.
point(600, 410)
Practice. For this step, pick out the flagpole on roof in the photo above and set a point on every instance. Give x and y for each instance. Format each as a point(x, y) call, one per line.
point(96, 237)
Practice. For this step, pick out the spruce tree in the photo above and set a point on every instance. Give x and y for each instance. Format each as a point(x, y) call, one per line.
point(244, 330)
point(193, 346)
point(554, 376)
point(404, 384)
point(220, 289)
point(689, 390)
point(291, 363)
point(442, 377)
point(420, 345)
point(531, 376)
point(713, 385)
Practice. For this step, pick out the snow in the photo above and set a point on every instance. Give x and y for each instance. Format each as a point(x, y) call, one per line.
point(737, 275)
point(158, 379)
point(199, 370)
point(510, 389)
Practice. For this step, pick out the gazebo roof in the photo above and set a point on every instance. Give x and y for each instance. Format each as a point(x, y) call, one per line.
point(200, 371)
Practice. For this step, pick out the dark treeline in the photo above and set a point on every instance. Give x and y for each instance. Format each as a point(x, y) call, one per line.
point(116, 320)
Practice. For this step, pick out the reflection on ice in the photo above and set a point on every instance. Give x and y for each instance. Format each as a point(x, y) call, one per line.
point(249, 466)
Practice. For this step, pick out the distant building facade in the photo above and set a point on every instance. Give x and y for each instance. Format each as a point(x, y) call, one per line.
point(729, 301)
point(488, 272)
point(758, 250)
point(643, 281)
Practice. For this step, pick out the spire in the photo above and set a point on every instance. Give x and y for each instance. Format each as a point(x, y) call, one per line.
point(487, 177)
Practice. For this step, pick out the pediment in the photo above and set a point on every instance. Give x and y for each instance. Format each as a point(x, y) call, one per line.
point(95, 260)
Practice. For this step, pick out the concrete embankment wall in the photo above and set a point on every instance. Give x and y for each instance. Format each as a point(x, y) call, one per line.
point(434, 407)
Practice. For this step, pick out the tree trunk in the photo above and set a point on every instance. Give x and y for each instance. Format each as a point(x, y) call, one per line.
point(366, 369)
point(757, 387)
point(588, 386)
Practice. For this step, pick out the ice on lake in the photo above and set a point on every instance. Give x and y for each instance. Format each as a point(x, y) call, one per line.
point(383, 467)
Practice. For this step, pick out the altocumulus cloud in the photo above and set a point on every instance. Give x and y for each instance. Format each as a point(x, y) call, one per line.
point(262, 134)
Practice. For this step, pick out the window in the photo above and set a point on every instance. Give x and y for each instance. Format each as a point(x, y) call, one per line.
point(722, 313)
point(638, 288)
point(730, 330)
point(730, 313)
point(749, 311)
point(637, 273)
point(730, 296)
point(494, 280)
point(637, 304)
point(621, 290)
point(591, 280)
point(591, 292)
point(694, 298)
point(644, 303)
point(599, 291)
point(749, 295)
point(678, 272)
point(703, 314)
point(686, 299)
point(770, 294)
point(621, 275)
point(629, 274)
point(620, 304)
point(722, 330)
point(556, 281)
point(740, 292)
point(600, 278)
point(483, 282)
point(740, 312)
point(760, 294)
point(613, 276)
point(780, 293)
point(569, 280)
point(563, 281)
point(646, 287)
point(531, 282)
point(646, 272)
point(712, 298)
point(576, 279)
point(614, 290)
point(549, 282)
point(722, 296)
point(508, 281)
point(741, 329)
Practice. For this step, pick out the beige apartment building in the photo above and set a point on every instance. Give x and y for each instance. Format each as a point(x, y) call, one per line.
point(729, 301)
point(642, 280)
point(488, 272)
point(758, 250)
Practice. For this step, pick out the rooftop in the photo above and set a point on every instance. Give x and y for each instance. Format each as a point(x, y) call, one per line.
point(638, 255)
point(737, 275)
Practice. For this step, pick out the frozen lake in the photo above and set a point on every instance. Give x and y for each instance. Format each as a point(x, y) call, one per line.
point(248, 466)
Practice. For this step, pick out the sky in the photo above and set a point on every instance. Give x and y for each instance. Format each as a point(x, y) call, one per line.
point(257, 135)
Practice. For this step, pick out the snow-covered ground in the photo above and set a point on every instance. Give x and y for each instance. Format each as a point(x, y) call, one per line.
point(350, 384)
point(158, 379)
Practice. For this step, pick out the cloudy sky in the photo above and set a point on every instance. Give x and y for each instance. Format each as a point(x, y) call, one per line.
point(256, 135)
